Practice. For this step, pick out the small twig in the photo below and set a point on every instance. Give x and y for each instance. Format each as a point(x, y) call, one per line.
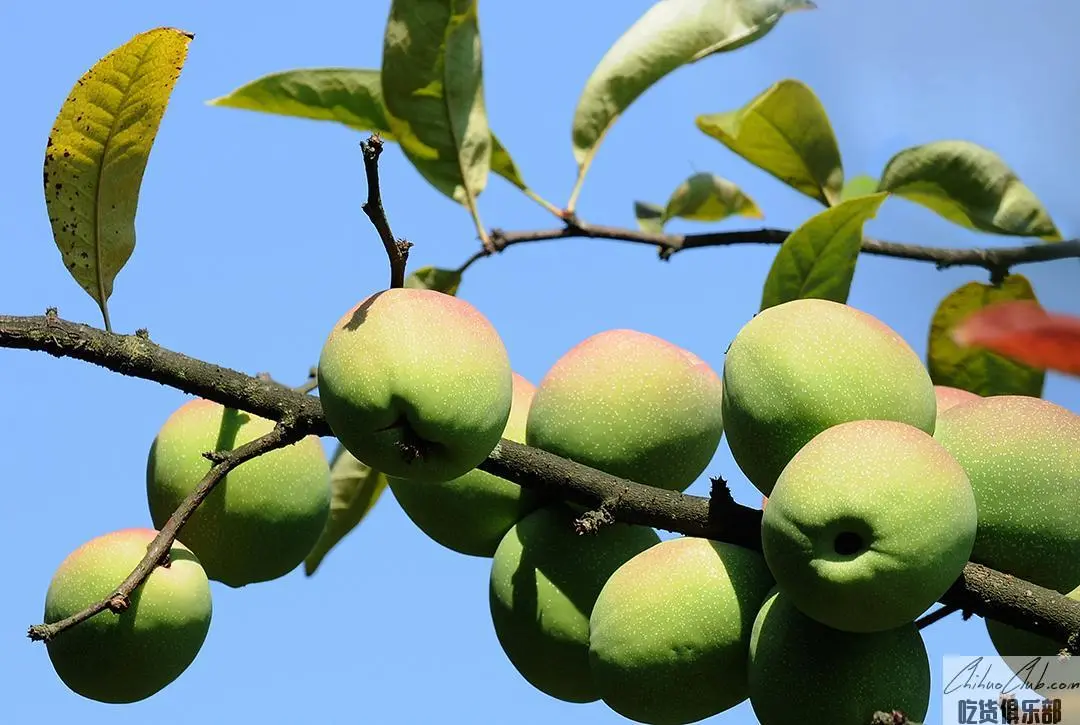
point(997, 261)
point(936, 616)
point(311, 383)
point(283, 434)
point(474, 258)
point(397, 251)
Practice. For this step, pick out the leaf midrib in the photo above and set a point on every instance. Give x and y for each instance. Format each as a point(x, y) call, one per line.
point(133, 78)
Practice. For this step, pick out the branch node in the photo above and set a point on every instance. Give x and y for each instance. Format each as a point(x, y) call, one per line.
point(496, 241)
point(603, 515)
point(592, 521)
point(118, 603)
point(216, 457)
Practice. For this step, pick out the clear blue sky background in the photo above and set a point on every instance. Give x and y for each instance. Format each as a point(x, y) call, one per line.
point(251, 242)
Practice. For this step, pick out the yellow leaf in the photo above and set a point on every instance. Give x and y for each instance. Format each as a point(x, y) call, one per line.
point(97, 153)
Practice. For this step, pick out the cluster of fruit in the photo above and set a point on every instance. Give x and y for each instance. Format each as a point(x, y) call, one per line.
point(880, 487)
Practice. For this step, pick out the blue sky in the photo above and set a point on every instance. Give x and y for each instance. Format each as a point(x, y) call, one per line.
point(251, 242)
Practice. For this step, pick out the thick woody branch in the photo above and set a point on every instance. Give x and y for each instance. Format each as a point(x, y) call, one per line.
point(283, 434)
point(997, 260)
point(396, 250)
point(136, 356)
point(979, 590)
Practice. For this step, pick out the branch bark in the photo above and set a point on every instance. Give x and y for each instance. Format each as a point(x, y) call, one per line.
point(283, 434)
point(996, 260)
point(979, 589)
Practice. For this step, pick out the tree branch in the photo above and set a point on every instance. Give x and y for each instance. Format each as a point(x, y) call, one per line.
point(996, 260)
point(979, 589)
point(396, 250)
point(136, 356)
point(284, 433)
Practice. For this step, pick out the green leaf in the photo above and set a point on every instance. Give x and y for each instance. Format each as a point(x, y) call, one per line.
point(861, 185)
point(503, 165)
point(349, 96)
point(672, 33)
point(969, 185)
point(818, 259)
point(432, 80)
point(650, 217)
point(97, 153)
point(702, 197)
point(433, 278)
point(709, 198)
point(976, 369)
point(355, 489)
point(785, 132)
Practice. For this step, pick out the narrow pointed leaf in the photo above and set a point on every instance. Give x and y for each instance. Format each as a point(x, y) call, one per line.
point(969, 185)
point(672, 33)
point(97, 153)
point(975, 369)
point(355, 489)
point(818, 259)
point(650, 217)
point(785, 132)
point(432, 81)
point(503, 165)
point(860, 185)
point(349, 96)
point(1024, 332)
point(446, 281)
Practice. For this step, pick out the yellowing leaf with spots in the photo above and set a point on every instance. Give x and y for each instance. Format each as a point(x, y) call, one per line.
point(97, 153)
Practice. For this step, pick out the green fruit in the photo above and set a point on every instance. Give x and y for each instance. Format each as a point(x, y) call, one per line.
point(632, 405)
point(472, 513)
point(126, 657)
point(804, 672)
point(670, 631)
point(1018, 646)
point(1022, 455)
point(948, 397)
point(263, 518)
point(868, 525)
point(803, 366)
point(416, 384)
point(545, 578)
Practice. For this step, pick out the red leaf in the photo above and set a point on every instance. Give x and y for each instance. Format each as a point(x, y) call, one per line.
point(1025, 332)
